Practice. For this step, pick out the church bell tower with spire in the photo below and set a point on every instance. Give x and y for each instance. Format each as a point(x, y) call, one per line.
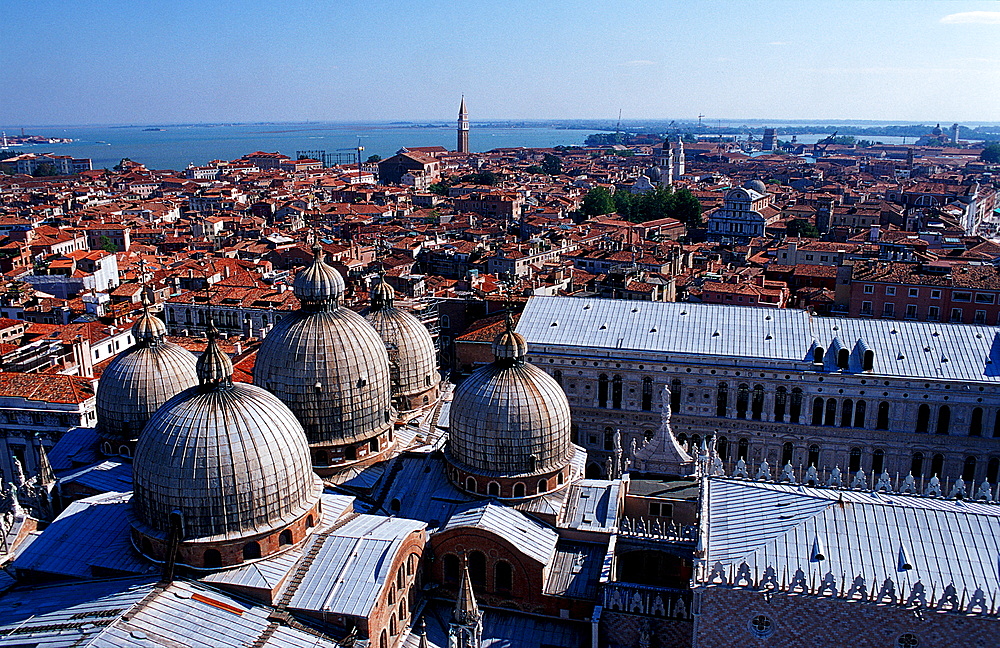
point(463, 128)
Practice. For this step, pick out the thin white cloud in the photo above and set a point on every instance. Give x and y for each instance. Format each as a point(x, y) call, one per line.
point(973, 18)
point(638, 63)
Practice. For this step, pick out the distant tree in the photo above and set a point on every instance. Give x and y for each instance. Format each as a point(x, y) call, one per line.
point(551, 164)
point(801, 227)
point(439, 188)
point(686, 208)
point(372, 159)
point(534, 168)
point(482, 178)
point(598, 201)
point(107, 245)
point(45, 170)
point(991, 153)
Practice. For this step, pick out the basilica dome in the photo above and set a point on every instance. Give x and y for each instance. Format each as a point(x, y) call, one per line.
point(412, 357)
point(139, 380)
point(756, 185)
point(509, 420)
point(330, 367)
point(232, 461)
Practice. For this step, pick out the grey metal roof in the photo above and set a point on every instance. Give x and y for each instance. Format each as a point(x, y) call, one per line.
point(422, 491)
point(902, 349)
point(592, 505)
point(92, 532)
point(502, 629)
point(75, 448)
point(68, 614)
point(106, 477)
point(536, 540)
point(775, 525)
point(575, 570)
point(352, 565)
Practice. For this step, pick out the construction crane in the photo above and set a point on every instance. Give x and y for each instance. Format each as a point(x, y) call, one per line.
point(699, 120)
point(819, 148)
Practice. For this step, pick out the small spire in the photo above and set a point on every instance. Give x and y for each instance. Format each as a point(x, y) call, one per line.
point(466, 609)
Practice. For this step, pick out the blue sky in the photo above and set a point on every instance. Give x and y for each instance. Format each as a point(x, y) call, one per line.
point(71, 62)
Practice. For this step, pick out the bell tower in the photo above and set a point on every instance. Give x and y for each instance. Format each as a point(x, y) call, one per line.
point(463, 128)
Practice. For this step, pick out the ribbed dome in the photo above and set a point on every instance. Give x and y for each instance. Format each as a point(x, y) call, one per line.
point(756, 185)
point(331, 368)
point(509, 417)
point(318, 284)
point(408, 342)
point(230, 457)
point(141, 379)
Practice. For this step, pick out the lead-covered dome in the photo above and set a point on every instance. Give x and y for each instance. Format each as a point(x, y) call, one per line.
point(330, 367)
point(412, 357)
point(139, 380)
point(231, 459)
point(509, 418)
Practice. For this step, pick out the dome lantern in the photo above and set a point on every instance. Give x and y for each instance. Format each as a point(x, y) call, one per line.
point(318, 286)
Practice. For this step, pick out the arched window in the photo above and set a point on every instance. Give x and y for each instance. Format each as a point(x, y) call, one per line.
point(383, 641)
point(846, 413)
point(780, 403)
point(616, 392)
point(742, 400)
point(470, 484)
point(795, 405)
point(124, 451)
point(647, 394)
point(882, 416)
point(923, 417)
point(937, 465)
point(285, 537)
point(878, 461)
point(493, 489)
point(373, 445)
point(786, 452)
point(503, 576)
point(817, 417)
point(969, 470)
point(944, 419)
point(757, 402)
point(212, 559)
point(844, 358)
point(609, 439)
point(477, 568)
point(602, 390)
point(917, 464)
point(818, 355)
point(743, 449)
point(722, 399)
point(993, 470)
point(859, 413)
point(675, 394)
point(450, 568)
point(251, 550)
point(147, 547)
point(543, 486)
point(394, 505)
point(557, 374)
point(392, 625)
point(854, 464)
point(831, 412)
point(518, 489)
point(976, 422)
point(722, 448)
point(868, 360)
point(813, 455)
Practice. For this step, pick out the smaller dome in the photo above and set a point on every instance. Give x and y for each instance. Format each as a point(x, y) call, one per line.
point(318, 283)
point(148, 326)
point(510, 345)
point(214, 366)
point(755, 185)
point(382, 295)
